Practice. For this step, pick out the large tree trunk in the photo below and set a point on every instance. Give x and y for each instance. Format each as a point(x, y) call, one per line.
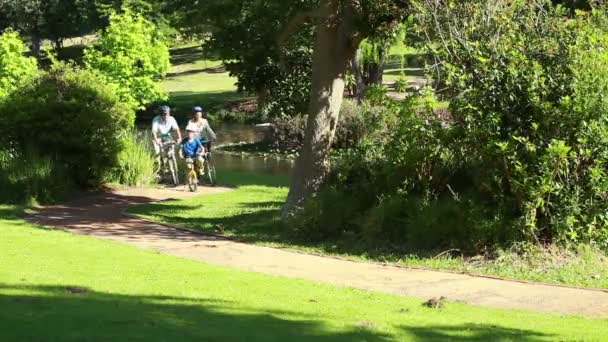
point(333, 50)
point(36, 46)
point(374, 71)
point(359, 79)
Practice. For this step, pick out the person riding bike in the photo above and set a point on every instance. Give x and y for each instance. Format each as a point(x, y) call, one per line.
point(201, 127)
point(163, 128)
point(192, 147)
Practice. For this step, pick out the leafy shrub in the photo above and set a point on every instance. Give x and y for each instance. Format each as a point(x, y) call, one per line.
point(131, 54)
point(522, 156)
point(401, 85)
point(529, 102)
point(29, 178)
point(71, 117)
point(289, 84)
point(136, 162)
point(288, 132)
point(15, 69)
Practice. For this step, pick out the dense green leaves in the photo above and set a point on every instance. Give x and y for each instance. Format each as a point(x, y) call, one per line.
point(55, 20)
point(70, 117)
point(132, 56)
point(529, 110)
point(15, 68)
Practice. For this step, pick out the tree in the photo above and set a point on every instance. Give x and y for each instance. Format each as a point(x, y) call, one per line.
point(15, 68)
point(132, 55)
point(243, 33)
point(340, 28)
point(55, 20)
point(370, 60)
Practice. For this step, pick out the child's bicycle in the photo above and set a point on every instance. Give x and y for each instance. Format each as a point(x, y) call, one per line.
point(207, 174)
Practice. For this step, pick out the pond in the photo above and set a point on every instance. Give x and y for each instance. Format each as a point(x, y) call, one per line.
point(232, 133)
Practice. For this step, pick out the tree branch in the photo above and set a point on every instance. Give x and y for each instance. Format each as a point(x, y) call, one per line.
point(294, 24)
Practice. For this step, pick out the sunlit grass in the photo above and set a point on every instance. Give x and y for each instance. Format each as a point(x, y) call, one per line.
point(58, 286)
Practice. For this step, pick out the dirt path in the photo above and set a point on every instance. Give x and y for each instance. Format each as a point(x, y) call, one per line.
point(101, 215)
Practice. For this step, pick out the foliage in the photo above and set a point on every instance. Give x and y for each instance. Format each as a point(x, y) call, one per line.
point(530, 109)
point(136, 162)
point(401, 84)
point(244, 34)
point(71, 117)
point(289, 87)
point(28, 178)
point(55, 20)
point(521, 157)
point(15, 69)
point(288, 132)
point(132, 56)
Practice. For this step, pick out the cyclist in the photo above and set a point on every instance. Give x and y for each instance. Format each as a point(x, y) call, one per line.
point(163, 128)
point(201, 127)
point(192, 147)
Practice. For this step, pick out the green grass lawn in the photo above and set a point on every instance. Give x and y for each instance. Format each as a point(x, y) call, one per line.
point(57, 286)
point(196, 79)
point(251, 213)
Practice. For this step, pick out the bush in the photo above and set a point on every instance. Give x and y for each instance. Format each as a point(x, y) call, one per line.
point(289, 85)
point(29, 178)
point(522, 156)
point(401, 84)
point(131, 54)
point(136, 162)
point(532, 116)
point(71, 117)
point(15, 69)
point(288, 133)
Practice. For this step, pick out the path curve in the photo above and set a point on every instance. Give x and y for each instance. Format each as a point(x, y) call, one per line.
point(101, 215)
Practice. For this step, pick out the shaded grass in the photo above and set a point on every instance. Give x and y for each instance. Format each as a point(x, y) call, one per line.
point(103, 290)
point(195, 79)
point(252, 213)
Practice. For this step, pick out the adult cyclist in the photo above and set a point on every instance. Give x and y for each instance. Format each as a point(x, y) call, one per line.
point(200, 125)
point(164, 126)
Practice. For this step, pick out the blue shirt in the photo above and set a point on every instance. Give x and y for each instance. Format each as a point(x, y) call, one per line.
point(191, 147)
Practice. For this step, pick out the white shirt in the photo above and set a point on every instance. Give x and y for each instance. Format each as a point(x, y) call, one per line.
point(163, 126)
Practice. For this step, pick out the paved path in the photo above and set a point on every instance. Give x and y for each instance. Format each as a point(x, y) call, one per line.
point(101, 215)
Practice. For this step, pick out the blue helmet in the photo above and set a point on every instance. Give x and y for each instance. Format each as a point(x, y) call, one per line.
point(197, 109)
point(165, 109)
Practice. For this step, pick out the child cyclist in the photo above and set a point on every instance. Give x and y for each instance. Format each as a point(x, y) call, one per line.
point(192, 147)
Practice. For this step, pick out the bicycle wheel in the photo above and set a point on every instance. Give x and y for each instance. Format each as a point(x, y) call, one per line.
point(192, 180)
point(211, 176)
point(173, 170)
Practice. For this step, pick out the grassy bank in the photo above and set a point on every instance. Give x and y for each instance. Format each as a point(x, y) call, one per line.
point(251, 213)
point(197, 79)
point(103, 290)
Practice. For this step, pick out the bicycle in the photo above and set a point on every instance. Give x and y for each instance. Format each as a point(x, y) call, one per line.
point(168, 163)
point(192, 174)
point(209, 168)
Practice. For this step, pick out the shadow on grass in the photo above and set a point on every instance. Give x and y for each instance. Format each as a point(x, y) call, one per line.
point(408, 72)
point(215, 70)
point(238, 179)
point(64, 313)
point(10, 212)
point(187, 55)
point(72, 313)
point(473, 332)
point(183, 101)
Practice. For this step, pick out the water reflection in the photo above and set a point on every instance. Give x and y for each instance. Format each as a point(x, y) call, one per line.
point(231, 133)
point(252, 164)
